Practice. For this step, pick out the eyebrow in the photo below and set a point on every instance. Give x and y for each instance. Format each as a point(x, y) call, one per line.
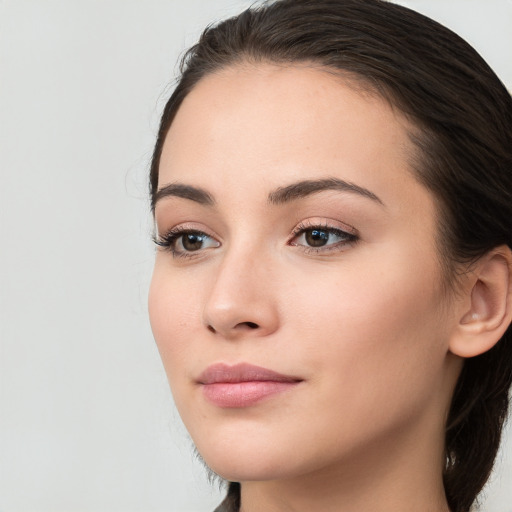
point(196, 194)
point(307, 187)
point(281, 195)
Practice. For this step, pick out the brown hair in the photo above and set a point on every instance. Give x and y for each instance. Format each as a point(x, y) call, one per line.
point(464, 118)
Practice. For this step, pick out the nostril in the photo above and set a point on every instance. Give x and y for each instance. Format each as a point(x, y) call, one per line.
point(249, 326)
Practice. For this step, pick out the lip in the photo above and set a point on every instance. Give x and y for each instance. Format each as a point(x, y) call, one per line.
point(242, 385)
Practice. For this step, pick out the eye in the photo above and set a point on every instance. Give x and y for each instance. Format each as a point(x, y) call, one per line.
point(322, 238)
point(185, 242)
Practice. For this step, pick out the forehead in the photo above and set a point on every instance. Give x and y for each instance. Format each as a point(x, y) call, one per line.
point(267, 125)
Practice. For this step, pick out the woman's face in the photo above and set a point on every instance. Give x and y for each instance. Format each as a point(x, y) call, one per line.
point(297, 297)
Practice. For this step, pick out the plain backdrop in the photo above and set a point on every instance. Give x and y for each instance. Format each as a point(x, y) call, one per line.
point(87, 422)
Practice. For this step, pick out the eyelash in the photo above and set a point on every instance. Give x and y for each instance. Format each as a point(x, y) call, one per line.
point(169, 240)
point(347, 237)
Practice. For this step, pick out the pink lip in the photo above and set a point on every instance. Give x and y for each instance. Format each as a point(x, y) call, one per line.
point(242, 385)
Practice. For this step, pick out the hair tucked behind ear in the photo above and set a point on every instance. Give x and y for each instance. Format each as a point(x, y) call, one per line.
point(463, 114)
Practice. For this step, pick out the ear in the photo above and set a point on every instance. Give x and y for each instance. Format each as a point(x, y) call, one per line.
point(487, 304)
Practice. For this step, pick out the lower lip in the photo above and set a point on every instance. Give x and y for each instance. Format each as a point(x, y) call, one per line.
point(243, 394)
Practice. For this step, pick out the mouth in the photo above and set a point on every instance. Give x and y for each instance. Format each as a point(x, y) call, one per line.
point(242, 385)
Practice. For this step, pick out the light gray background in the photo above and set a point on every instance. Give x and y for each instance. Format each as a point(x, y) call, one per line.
point(86, 419)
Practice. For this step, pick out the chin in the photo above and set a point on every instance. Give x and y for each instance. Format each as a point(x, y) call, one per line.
point(247, 470)
point(237, 461)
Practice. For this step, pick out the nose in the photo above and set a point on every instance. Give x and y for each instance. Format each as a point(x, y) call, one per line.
point(242, 299)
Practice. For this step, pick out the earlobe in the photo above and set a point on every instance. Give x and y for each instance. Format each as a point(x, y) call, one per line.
point(489, 295)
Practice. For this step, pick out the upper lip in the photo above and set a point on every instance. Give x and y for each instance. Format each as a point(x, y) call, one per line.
point(242, 372)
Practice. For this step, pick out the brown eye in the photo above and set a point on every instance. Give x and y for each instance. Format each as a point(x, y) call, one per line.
point(192, 241)
point(181, 243)
point(322, 239)
point(316, 237)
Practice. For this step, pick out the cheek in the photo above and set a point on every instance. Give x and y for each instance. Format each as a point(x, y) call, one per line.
point(368, 296)
point(173, 314)
point(376, 330)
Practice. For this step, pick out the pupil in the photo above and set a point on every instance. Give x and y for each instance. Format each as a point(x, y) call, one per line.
point(192, 242)
point(317, 237)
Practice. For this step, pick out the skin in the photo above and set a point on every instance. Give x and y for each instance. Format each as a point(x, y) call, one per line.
point(366, 325)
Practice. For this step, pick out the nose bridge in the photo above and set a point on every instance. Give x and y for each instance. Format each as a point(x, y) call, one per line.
point(241, 298)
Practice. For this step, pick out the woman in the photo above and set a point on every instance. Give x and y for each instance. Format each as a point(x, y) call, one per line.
point(331, 298)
